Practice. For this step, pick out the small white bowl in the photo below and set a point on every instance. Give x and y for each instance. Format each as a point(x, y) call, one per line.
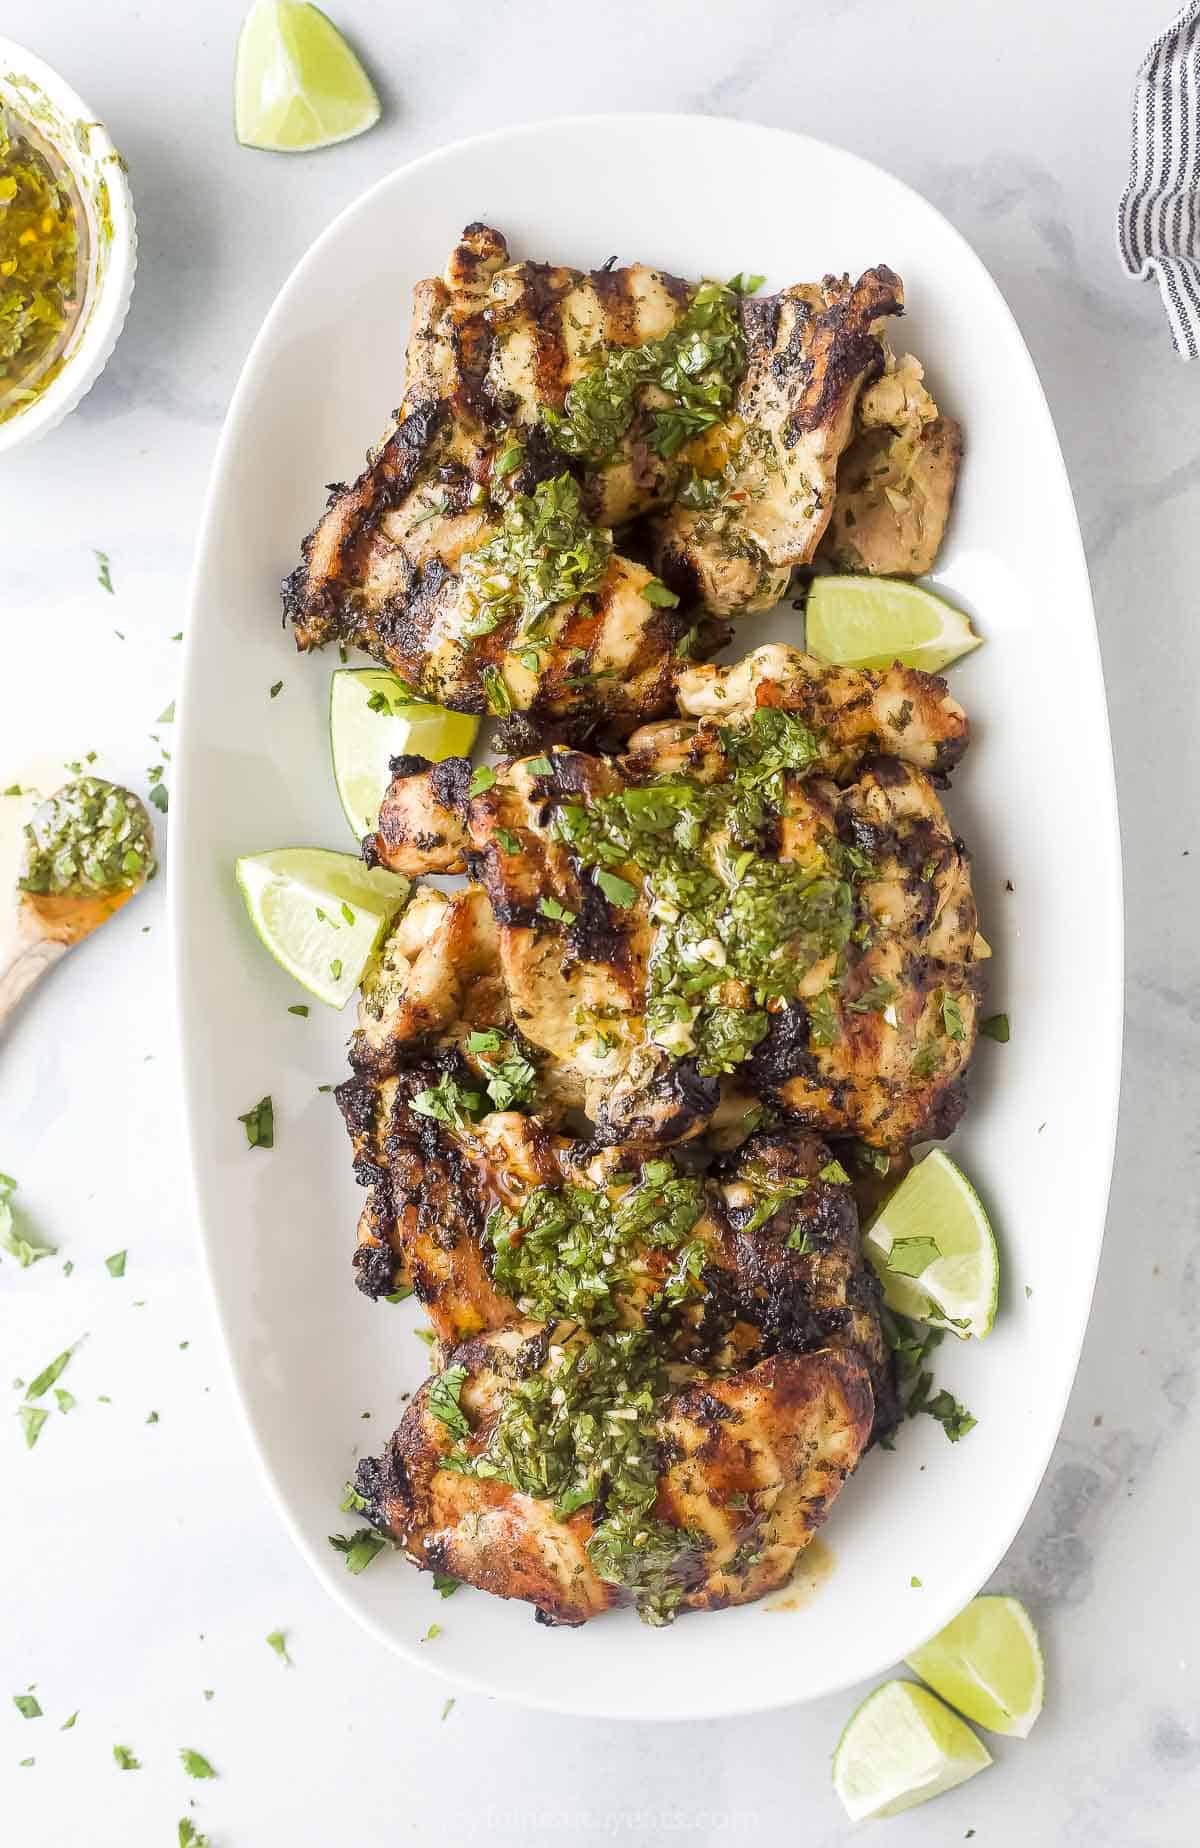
point(32, 91)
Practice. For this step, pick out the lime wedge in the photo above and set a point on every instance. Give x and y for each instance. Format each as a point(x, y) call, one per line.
point(297, 85)
point(320, 914)
point(988, 1662)
point(934, 1251)
point(871, 622)
point(901, 1747)
point(371, 721)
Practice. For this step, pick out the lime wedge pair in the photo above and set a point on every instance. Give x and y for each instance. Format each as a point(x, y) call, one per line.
point(872, 622)
point(297, 84)
point(903, 1745)
point(934, 1251)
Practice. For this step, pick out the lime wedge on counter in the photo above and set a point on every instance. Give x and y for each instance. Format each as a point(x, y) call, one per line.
point(934, 1251)
point(370, 722)
point(320, 914)
point(871, 622)
point(988, 1662)
point(901, 1747)
point(297, 85)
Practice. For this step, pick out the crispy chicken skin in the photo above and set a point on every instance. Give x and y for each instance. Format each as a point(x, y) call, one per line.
point(749, 1464)
point(577, 962)
point(810, 353)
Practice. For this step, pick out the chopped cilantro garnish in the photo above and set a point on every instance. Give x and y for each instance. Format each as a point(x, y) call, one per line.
point(447, 1706)
point(352, 1502)
point(115, 1265)
point(260, 1124)
point(65, 1400)
point(657, 594)
point(908, 1257)
point(546, 553)
point(482, 779)
point(125, 1759)
point(556, 912)
point(496, 694)
point(103, 574)
point(278, 1643)
point(277, 689)
point(165, 717)
point(952, 1015)
point(189, 1834)
point(54, 1371)
point(618, 891)
point(444, 1585)
point(195, 1763)
point(159, 797)
point(300, 1010)
point(442, 1400)
point(995, 1027)
point(448, 1102)
point(27, 1705)
point(25, 1250)
point(335, 969)
point(434, 1631)
point(69, 1722)
point(360, 1548)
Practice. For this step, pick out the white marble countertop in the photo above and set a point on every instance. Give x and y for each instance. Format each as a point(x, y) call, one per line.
point(142, 1564)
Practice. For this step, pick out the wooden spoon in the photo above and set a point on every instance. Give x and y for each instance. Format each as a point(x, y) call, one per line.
point(51, 923)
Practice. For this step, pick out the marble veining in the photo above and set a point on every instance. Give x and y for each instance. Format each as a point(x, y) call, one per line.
point(1014, 121)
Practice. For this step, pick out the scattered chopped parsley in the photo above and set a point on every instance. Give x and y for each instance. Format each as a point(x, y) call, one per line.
point(335, 969)
point(360, 1548)
point(432, 1633)
point(995, 1027)
point(352, 1502)
point(32, 1419)
point(260, 1124)
point(167, 715)
point(189, 1835)
point(556, 912)
point(300, 1010)
point(160, 798)
point(482, 779)
point(125, 1759)
point(103, 574)
point(27, 1706)
point(195, 1763)
point(915, 1583)
point(115, 1265)
point(66, 1401)
point(277, 689)
point(69, 1722)
point(954, 1418)
point(444, 1585)
point(447, 1704)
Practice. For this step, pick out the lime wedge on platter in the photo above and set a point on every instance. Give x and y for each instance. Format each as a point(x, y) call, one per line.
point(873, 622)
point(901, 1747)
point(320, 914)
point(988, 1663)
point(297, 84)
point(934, 1250)
point(371, 720)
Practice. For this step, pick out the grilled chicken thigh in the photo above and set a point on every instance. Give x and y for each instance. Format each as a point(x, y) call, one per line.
point(545, 406)
point(705, 1497)
point(896, 479)
point(712, 913)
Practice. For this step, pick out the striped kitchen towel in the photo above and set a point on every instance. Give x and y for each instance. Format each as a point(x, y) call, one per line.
point(1158, 219)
